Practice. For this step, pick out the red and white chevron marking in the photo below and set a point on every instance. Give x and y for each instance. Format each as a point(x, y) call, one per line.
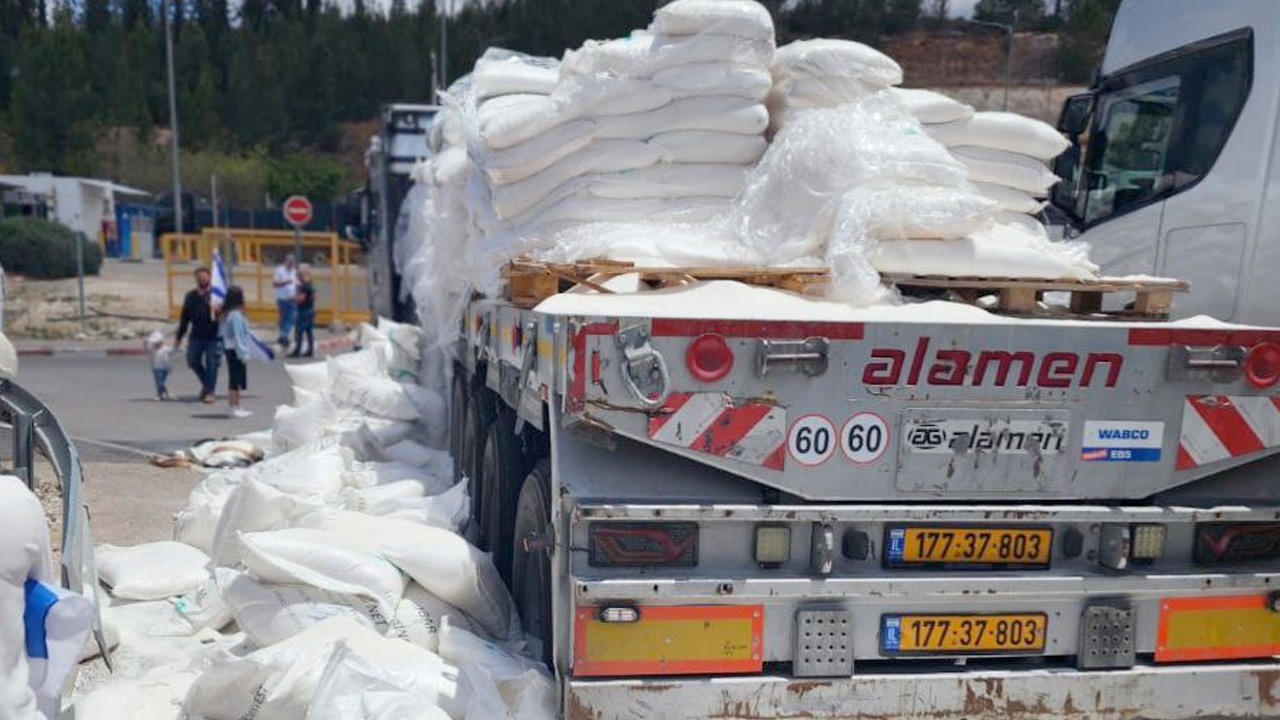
point(1217, 427)
point(750, 432)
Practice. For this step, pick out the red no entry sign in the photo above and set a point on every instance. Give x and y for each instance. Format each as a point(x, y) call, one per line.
point(297, 211)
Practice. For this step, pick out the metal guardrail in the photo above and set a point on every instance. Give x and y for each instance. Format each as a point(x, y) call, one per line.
point(34, 427)
point(251, 256)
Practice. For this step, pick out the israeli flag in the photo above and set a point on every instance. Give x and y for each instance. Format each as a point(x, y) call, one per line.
point(258, 350)
point(57, 623)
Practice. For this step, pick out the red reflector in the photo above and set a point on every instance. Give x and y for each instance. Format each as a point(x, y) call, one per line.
point(1227, 543)
point(709, 358)
point(643, 544)
point(1262, 365)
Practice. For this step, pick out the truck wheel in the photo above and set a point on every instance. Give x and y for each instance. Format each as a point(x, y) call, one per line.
point(457, 421)
point(531, 558)
point(502, 470)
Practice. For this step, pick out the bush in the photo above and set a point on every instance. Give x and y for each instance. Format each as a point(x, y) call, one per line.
point(43, 249)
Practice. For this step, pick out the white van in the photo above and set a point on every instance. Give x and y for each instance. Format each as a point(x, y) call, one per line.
point(1181, 156)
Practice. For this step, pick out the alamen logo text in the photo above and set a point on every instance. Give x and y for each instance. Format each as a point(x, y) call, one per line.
point(1000, 368)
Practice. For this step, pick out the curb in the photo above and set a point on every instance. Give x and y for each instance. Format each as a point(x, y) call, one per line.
point(342, 342)
point(82, 352)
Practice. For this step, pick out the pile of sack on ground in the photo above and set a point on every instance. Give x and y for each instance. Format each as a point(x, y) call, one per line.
point(696, 141)
point(327, 582)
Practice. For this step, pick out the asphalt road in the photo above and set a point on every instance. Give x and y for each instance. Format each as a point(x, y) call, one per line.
point(111, 400)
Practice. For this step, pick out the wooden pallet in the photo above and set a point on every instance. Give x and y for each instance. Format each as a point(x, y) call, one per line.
point(1152, 297)
point(530, 282)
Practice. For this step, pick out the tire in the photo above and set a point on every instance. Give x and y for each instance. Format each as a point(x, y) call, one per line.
point(458, 421)
point(502, 471)
point(531, 567)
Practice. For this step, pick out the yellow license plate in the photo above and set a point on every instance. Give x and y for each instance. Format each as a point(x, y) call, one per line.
point(962, 634)
point(968, 546)
point(680, 640)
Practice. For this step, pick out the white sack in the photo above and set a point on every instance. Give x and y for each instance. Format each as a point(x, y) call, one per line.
point(1009, 199)
point(449, 510)
point(999, 251)
point(826, 57)
point(494, 76)
point(308, 556)
point(716, 78)
point(1003, 131)
point(352, 688)
point(279, 682)
point(370, 474)
point(999, 167)
point(931, 107)
point(643, 55)
point(151, 571)
point(272, 613)
point(313, 376)
point(197, 524)
point(502, 683)
point(296, 426)
point(153, 697)
point(739, 18)
point(314, 469)
point(440, 561)
point(256, 507)
point(380, 395)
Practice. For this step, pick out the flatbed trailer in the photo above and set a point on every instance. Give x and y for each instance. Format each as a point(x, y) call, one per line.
point(718, 500)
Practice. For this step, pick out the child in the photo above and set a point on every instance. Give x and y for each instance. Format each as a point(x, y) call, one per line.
point(234, 329)
point(161, 360)
point(306, 321)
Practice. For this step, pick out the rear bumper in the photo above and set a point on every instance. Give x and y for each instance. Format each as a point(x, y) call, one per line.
point(1163, 693)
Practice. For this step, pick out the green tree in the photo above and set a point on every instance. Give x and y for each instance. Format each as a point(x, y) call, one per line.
point(1022, 14)
point(50, 109)
point(1083, 39)
point(319, 178)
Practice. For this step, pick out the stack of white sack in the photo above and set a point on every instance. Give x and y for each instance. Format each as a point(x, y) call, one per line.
point(826, 73)
point(1007, 156)
point(326, 580)
point(861, 189)
point(662, 125)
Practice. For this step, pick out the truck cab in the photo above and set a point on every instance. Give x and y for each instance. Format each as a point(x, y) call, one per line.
point(400, 143)
point(1175, 166)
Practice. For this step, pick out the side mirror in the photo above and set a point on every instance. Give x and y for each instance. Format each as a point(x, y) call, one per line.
point(1077, 112)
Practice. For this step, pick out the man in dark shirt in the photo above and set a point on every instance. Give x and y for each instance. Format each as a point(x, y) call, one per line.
point(306, 320)
point(204, 351)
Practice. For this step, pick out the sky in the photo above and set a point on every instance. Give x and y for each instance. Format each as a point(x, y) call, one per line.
point(962, 8)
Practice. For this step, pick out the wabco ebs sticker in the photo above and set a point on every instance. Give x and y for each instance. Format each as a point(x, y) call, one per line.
point(1122, 441)
point(1001, 437)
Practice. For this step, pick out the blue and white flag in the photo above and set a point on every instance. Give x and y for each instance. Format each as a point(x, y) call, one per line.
point(57, 623)
point(258, 349)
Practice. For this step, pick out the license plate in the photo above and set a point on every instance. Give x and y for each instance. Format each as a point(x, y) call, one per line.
point(962, 634)
point(905, 546)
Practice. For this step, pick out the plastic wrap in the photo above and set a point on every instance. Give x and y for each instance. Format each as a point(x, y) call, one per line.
point(643, 55)
point(1008, 199)
point(1000, 250)
point(790, 196)
point(830, 58)
point(504, 72)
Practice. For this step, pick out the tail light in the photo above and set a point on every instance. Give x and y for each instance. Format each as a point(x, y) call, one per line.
point(643, 544)
point(709, 357)
point(1262, 365)
point(1231, 543)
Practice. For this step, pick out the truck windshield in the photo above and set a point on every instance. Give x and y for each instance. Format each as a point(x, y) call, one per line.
point(1160, 126)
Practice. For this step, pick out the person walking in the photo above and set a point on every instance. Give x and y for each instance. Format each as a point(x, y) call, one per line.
point(306, 320)
point(235, 336)
point(204, 351)
point(285, 282)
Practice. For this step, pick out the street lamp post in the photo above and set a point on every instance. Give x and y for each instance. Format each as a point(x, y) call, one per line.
point(1008, 53)
point(173, 118)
